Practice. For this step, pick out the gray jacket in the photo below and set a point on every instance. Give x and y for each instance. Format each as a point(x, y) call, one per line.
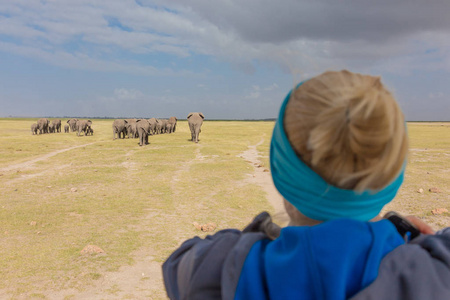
point(210, 268)
point(417, 270)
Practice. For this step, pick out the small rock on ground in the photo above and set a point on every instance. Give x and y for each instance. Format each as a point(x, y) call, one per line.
point(91, 249)
point(434, 190)
point(439, 211)
point(205, 227)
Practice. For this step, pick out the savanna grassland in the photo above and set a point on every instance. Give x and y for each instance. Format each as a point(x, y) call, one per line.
point(127, 198)
point(60, 192)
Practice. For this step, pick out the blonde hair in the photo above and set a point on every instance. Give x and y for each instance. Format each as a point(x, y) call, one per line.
point(349, 129)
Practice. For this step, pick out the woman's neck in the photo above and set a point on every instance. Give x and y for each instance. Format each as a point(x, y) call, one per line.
point(296, 218)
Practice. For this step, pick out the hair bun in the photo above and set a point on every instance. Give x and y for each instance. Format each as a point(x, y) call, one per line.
point(348, 128)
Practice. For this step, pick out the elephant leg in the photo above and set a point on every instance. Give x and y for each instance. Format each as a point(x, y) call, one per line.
point(191, 127)
point(196, 132)
point(141, 138)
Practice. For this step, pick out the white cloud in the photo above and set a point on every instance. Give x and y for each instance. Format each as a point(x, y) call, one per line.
point(104, 35)
point(436, 95)
point(271, 87)
point(124, 94)
point(254, 93)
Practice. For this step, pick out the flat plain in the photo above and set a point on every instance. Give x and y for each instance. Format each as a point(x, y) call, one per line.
point(60, 192)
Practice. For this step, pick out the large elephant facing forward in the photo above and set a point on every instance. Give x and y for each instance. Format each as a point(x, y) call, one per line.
point(195, 121)
point(83, 125)
point(72, 123)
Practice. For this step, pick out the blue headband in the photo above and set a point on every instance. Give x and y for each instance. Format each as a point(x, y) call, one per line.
point(311, 194)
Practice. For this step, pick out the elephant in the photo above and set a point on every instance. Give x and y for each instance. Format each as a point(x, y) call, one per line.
point(83, 125)
point(72, 123)
point(158, 126)
point(90, 131)
point(169, 127)
point(66, 128)
point(143, 129)
point(173, 122)
point(43, 125)
point(51, 128)
point(153, 123)
point(57, 123)
point(163, 125)
point(195, 121)
point(131, 128)
point(119, 127)
point(34, 128)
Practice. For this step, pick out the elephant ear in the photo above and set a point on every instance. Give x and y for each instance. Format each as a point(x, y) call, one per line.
point(138, 120)
point(68, 121)
point(190, 115)
point(201, 115)
point(126, 122)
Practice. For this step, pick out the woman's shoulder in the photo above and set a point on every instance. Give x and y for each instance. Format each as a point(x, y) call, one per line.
point(417, 270)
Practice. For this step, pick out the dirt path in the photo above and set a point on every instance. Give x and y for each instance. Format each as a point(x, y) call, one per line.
point(263, 178)
point(185, 168)
point(30, 163)
point(142, 280)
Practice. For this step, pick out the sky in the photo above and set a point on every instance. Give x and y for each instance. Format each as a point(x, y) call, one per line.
point(229, 59)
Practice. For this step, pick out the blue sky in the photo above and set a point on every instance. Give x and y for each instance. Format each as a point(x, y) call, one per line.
point(228, 59)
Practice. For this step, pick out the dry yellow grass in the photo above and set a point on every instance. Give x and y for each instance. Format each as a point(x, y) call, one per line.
point(61, 192)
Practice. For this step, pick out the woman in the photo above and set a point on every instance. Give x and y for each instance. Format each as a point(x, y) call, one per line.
point(338, 155)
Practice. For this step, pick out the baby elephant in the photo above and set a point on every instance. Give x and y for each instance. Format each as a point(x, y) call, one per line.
point(66, 128)
point(89, 131)
point(34, 128)
point(195, 121)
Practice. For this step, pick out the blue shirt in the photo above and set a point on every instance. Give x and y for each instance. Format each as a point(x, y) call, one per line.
point(332, 260)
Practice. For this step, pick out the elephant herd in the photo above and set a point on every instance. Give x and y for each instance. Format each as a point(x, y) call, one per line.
point(142, 128)
point(43, 125)
point(133, 128)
